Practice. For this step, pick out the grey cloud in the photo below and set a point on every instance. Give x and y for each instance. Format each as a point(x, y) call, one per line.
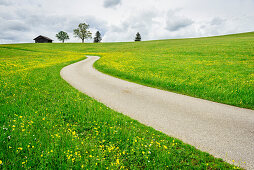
point(12, 29)
point(217, 21)
point(22, 20)
point(31, 25)
point(115, 28)
point(16, 26)
point(175, 23)
point(8, 37)
point(141, 22)
point(14, 36)
point(5, 2)
point(111, 3)
point(96, 23)
point(17, 3)
point(213, 27)
point(151, 24)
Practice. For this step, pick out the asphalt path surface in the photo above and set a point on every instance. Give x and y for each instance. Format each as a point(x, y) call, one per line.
point(224, 131)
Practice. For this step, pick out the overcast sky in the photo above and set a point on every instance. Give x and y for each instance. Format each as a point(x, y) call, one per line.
point(120, 20)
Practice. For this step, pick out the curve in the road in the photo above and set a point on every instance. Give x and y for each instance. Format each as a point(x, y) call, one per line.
point(222, 130)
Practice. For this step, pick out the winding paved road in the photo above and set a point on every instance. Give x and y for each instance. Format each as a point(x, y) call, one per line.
point(222, 130)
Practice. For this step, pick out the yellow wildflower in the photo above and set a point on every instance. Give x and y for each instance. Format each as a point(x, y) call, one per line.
point(1, 161)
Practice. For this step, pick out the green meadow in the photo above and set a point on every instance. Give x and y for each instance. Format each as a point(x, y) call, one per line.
point(220, 69)
point(45, 123)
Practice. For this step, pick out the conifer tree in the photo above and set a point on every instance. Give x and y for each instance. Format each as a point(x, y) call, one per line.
point(138, 37)
point(97, 37)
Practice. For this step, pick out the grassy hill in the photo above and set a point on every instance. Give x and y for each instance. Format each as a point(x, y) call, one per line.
point(219, 69)
point(45, 122)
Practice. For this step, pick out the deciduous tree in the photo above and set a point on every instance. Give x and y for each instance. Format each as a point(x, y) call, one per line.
point(82, 32)
point(61, 36)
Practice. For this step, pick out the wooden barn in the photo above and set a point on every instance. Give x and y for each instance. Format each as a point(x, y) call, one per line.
point(42, 39)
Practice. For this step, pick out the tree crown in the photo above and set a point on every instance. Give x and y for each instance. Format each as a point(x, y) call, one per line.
point(61, 36)
point(82, 32)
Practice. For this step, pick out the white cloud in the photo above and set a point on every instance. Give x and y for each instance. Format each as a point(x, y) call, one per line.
point(22, 20)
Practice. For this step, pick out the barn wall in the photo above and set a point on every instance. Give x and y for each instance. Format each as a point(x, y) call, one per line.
point(42, 40)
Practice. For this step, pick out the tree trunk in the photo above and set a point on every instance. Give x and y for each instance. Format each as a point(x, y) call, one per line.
point(63, 41)
point(82, 40)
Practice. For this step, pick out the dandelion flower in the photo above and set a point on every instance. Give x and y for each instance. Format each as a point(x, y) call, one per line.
point(1, 161)
point(117, 161)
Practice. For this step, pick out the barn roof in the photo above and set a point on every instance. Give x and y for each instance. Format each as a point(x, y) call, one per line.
point(40, 36)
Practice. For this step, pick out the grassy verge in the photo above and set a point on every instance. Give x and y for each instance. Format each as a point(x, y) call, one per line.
point(45, 123)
